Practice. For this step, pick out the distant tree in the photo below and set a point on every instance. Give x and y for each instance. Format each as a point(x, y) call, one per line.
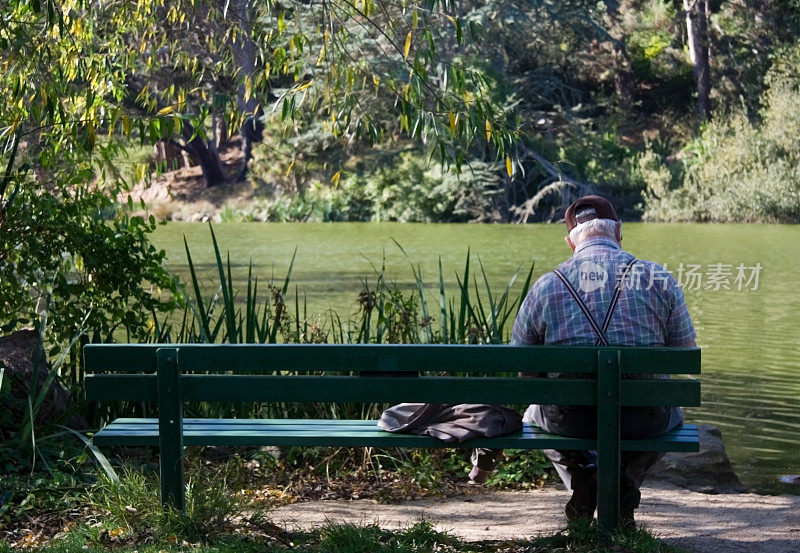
point(697, 17)
point(623, 79)
point(240, 56)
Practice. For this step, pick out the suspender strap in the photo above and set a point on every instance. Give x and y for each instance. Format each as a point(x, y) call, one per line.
point(600, 331)
point(601, 335)
point(617, 292)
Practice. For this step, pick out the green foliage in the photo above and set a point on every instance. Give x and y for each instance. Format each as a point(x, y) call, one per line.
point(76, 278)
point(214, 503)
point(521, 469)
point(404, 187)
point(749, 34)
point(656, 54)
point(738, 170)
point(414, 190)
point(582, 537)
point(92, 276)
point(63, 89)
point(434, 469)
point(24, 494)
point(418, 538)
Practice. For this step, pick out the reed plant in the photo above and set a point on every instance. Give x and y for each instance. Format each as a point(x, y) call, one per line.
point(472, 314)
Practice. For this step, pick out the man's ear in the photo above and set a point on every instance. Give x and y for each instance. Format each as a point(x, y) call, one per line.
point(569, 243)
point(619, 232)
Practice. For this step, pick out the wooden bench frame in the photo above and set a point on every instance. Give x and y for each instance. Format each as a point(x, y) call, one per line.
point(173, 374)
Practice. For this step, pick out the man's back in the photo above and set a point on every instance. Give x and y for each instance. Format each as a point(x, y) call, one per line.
point(651, 310)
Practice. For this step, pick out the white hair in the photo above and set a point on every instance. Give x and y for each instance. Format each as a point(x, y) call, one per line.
point(594, 227)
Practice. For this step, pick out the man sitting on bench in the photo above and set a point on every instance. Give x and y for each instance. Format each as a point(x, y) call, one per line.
point(602, 295)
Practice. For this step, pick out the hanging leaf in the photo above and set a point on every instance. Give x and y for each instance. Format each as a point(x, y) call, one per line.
point(509, 167)
point(488, 131)
point(407, 47)
point(335, 179)
point(452, 124)
point(248, 88)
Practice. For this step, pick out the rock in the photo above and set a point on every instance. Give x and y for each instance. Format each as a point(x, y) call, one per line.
point(199, 218)
point(707, 471)
point(17, 354)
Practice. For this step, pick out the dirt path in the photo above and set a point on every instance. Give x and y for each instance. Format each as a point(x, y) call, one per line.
point(701, 523)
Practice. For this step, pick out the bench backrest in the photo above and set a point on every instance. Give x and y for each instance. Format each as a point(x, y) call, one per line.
point(332, 373)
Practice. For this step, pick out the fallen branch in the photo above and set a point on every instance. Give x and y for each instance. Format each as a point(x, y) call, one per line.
point(559, 182)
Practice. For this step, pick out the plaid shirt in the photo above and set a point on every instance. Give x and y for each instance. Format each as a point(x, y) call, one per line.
point(651, 310)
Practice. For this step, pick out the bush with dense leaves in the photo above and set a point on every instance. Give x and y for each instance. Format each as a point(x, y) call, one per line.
point(738, 170)
point(93, 276)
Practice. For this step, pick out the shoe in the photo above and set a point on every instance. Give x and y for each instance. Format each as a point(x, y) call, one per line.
point(584, 495)
point(478, 476)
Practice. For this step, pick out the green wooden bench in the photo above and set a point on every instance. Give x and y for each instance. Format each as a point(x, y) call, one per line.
point(173, 374)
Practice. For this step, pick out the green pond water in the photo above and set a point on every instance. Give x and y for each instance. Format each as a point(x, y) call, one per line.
point(748, 331)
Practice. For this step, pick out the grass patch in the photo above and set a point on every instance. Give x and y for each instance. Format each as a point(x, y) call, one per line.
point(581, 537)
point(421, 537)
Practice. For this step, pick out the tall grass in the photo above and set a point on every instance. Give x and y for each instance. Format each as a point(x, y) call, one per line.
point(473, 314)
point(215, 503)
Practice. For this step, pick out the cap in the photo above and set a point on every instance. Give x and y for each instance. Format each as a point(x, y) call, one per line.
point(588, 208)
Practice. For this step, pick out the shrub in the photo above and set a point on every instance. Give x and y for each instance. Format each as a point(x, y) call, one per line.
point(93, 276)
point(409, 188)
point(738, 170)
point(415, 190)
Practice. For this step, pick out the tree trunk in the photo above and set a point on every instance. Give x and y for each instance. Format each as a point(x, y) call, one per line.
point(244, 55)
point(623, 78)
point(219, 130)
point(207, 158)
point(219, 134)
point(697, 35)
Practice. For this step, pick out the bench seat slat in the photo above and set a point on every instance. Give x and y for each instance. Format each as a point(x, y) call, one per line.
point(354, 433)
point(211, 425)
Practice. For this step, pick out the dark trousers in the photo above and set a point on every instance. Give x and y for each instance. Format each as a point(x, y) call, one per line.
point(581, 422)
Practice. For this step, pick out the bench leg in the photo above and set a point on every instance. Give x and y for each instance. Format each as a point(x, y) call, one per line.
point(172, 480)
point(608, 440)
point(170, 430)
